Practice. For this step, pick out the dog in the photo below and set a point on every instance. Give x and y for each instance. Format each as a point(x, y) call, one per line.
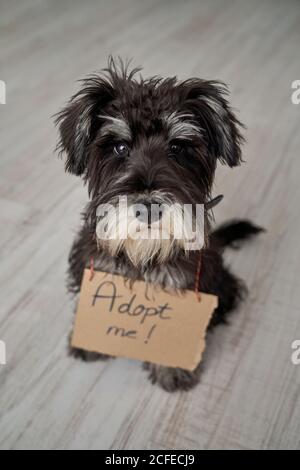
point(154, 141)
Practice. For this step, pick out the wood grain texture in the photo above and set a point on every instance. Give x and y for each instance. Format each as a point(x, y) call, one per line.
point(249, 393)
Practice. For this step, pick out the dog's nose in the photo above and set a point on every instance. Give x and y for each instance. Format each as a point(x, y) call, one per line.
point(149, 213)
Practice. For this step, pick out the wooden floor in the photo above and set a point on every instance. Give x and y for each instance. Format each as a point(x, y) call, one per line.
point(249, 395)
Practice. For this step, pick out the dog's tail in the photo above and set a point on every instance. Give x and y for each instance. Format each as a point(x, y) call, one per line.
point(233, 234)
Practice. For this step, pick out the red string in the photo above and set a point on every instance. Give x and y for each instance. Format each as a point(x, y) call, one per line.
point(197, 279)
point(92, 268)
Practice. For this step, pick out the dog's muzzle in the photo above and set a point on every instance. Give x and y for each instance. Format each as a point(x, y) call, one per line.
point(149, 213)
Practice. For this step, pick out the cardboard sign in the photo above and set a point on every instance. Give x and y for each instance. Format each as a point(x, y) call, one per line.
point(141, 322)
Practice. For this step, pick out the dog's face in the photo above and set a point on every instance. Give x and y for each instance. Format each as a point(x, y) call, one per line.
point(155, 141)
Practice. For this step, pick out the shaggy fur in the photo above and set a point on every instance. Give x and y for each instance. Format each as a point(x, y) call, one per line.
point(148, 139)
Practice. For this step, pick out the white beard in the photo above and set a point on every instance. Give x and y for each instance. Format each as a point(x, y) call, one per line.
point(119, 230)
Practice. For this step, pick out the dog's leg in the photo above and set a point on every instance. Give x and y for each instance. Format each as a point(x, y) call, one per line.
point(173, 378)
point(230, 292)
point(87, 356)
point(78, 259)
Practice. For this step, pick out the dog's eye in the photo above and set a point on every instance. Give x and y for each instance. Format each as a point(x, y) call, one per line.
point(176, 148)
point(121, 149)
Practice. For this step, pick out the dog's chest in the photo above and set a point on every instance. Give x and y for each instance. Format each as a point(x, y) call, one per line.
point(164, 275)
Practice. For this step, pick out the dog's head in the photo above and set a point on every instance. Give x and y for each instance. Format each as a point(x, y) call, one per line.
point(156, 141)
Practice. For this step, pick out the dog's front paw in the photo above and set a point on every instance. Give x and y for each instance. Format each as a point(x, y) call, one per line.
point(171, 378)
point(86, 356)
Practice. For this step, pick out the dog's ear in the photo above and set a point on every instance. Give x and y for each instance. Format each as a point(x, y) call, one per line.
point(78, 121)
point(206, 100)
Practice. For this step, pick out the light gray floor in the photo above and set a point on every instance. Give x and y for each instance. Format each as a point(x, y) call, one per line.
point(249, 395)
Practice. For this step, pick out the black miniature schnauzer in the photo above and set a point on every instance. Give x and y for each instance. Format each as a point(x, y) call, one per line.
point(153, 140)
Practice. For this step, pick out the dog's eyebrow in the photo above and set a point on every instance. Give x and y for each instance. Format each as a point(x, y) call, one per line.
point(116, 126)
point(181, 128)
